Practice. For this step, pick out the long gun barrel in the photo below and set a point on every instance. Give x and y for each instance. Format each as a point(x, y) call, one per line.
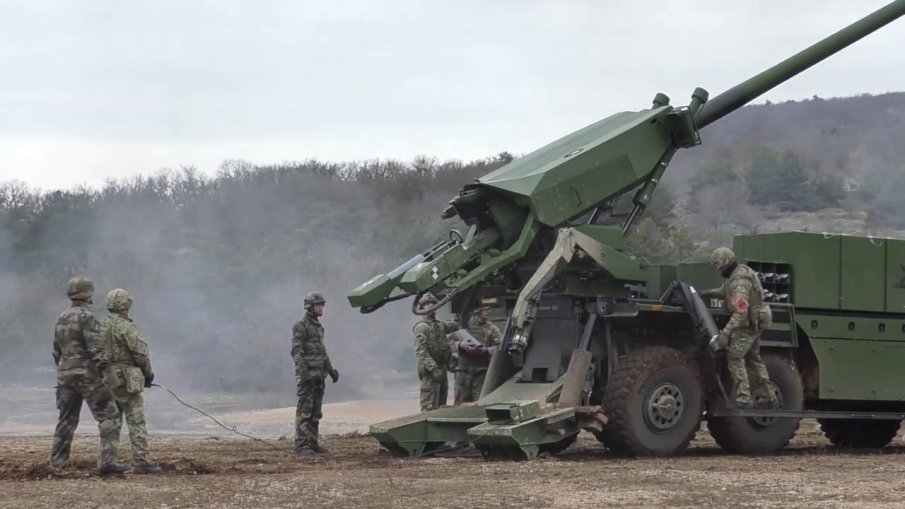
point(750, 89)
point(579, 175)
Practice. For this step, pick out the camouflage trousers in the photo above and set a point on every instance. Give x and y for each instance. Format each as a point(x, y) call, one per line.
point(469, 383)
point(434, 388)
point(745, 364)
point(132, 407)
point(70, 394)
point(310, 391)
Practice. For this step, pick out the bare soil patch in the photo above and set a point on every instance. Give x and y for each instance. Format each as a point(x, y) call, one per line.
point(222, 472)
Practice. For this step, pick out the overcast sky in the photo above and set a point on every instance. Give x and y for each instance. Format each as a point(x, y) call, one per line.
point(94, 89)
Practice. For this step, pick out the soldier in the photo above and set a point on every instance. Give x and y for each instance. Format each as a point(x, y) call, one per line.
point(472, 366)
point(130, 366)
point(743, 296)
point(312, 365)
point(81, 360)
point(434, 351)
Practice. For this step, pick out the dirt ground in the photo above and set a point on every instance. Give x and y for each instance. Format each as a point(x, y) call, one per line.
point(215, 471)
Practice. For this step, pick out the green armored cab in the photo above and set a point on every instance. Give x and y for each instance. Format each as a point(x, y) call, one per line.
point(595, 341)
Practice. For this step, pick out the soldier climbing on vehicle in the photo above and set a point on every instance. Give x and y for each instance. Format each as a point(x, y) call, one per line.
point(743, 297)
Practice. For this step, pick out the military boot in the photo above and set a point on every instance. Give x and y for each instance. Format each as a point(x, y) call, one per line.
point(144, 468)
point(59, 465)
point(113, 468)
point(318, 449)
point(304, 451)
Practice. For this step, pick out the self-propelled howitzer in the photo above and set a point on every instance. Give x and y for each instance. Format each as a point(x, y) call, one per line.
point(628, 352)
point(578, 177)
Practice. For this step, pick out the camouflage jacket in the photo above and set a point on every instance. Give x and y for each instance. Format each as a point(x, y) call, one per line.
point(743, 297)
point(489, 335)
point(78, 350)
point(125, 346)
point(308, 349)
point(432, 347)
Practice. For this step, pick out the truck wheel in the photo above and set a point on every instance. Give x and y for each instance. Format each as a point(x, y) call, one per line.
point(760, 435)
point(654, 403)
point(859, 433)
point(560, 446)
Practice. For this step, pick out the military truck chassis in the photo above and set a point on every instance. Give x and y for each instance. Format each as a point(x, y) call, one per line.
point(640, 375)
point(593, 341)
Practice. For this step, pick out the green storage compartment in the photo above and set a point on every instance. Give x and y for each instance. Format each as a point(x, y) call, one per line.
point(895, 276)
point(659, 277)
point(751, 247)
point(829, 271)
point(740, 245)
point(852, 369)
point(863, 274)
point(702, 276)
point(816, 262)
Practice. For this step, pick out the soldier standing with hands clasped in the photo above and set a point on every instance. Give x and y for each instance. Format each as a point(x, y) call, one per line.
point(312, 365)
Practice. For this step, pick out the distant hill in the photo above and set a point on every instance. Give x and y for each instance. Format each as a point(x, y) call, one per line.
point(833, 165)
point(849, 136)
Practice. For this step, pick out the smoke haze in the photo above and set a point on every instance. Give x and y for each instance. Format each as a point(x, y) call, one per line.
point(218, 267)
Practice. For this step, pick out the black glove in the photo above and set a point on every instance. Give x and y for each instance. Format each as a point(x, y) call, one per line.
point(334, 375)
point(148, 380)
point(723, 339)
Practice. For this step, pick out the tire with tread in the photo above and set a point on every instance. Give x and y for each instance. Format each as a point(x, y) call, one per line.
point(859, 433)
point(630, 430)
point(748, 435)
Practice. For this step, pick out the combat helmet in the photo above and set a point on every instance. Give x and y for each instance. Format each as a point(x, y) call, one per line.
point(487, 303)
point(118, 300)
point(427, 298)
point(722, 258)
point(80, 288)
point(313, 298)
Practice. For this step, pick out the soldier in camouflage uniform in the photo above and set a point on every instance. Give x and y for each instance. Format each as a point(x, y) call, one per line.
point(434, 351)
point(130, 366)
point(81, 360)
point(473, 363)
point(312, 365)
point(743, 296)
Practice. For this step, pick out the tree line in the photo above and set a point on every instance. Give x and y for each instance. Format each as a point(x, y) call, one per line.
point(218, 264)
